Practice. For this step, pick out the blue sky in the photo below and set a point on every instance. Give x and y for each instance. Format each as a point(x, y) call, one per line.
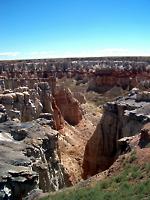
point(67, 28)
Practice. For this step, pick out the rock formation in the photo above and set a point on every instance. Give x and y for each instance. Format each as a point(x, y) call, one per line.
point(20, 105)
point(30, 110)
point(140, 140)
point(124, 117)
point(49, 104)
point(101, 74)
point(68, 105)
point(38, 117)
point(27, 104)
point(29, 158)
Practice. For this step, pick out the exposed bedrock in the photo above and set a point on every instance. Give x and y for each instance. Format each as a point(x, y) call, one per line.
point(28, 104)
point(101, 74)
point(105, 79)
point(141, 140)
point(23, 79)
point(29, 159)
point(121, 118)
point(103, 83)
point(30, 156)
point(49, 104)
point(32, 106)
point(68, 105)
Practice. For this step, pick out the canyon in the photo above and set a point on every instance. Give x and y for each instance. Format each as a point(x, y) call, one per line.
point(53, 134)
point(122, 118)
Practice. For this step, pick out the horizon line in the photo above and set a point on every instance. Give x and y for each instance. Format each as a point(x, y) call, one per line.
point(76, 57)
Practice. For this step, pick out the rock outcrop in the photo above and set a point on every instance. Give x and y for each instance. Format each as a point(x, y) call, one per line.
point(29, 159)
point(28, 104)
point(101, 74)
point(141, 140)
point(68, 105)
point(28, 117)
point(32, 105)
point(124, 117)
point(20, 105)
point(49, 104)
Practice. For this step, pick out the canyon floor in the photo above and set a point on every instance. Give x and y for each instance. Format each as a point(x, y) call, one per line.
point(73, 139)
point(127, 178)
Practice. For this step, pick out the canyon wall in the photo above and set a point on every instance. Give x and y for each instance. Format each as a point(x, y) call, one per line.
point(28, 104)
point(36, 112)
point(121, 118)
point(100, 74)
point(28, 118)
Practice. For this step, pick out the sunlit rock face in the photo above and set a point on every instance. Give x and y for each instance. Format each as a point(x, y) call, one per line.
point(125, 75)
point(27, 104)
point(68, 105)
point(121, 118)
point(101, 74)
point(29, 118)
point(20, 105)
point(138, 141)
point(33, 108)
point(49, 104)
point(29, 158)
